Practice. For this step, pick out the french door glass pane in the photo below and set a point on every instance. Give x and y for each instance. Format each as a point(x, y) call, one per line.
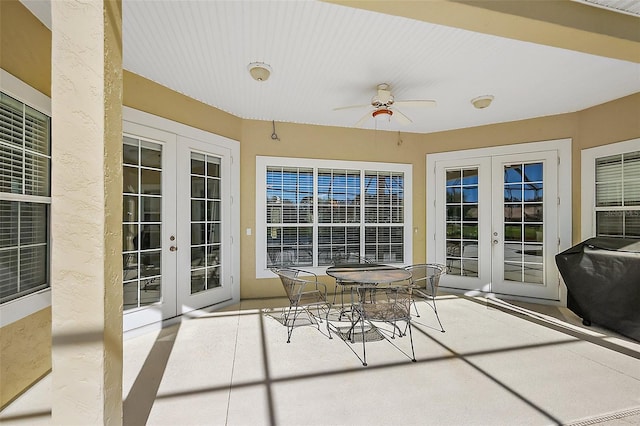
point(461, 190)
point(206, 222)
point(141, 222)
point(523, 222)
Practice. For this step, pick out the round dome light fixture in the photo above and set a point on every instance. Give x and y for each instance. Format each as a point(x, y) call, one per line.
point(482, 102)
point(259, 71)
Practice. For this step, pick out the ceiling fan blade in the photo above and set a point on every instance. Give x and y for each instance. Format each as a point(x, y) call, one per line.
point(364, 118)
point(351, 107)
point(401, 118)
point(424, 103)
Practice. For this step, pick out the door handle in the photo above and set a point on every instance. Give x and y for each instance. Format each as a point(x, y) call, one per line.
point(173, 248)
point(495, 241)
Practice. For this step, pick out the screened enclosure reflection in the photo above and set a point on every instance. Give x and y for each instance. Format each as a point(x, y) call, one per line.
point(141, 222)
point(206, 222)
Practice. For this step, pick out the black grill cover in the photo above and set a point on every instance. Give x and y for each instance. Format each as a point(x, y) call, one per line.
point(603, 279)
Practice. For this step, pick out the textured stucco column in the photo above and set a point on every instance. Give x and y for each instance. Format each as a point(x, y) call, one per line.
point(86, 267)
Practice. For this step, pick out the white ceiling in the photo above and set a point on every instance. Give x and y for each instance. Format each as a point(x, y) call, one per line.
point(325, 56)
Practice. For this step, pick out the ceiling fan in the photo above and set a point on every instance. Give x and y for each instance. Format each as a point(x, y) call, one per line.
point(385, 106)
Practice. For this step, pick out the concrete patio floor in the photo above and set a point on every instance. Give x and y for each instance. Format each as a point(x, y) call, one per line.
point(498, 363)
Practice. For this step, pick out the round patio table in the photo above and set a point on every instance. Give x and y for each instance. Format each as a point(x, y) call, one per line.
point(367, 273)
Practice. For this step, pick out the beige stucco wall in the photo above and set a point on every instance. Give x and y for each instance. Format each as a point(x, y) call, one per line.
point(25, 51)
point(25, 353)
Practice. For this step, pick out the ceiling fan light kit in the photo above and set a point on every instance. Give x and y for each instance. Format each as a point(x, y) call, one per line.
point(384, 113)
point(383, 102)
point(482, 102)
point(259, 71)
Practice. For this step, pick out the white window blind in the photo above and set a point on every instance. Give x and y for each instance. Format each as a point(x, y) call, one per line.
point(617, 200)
point(25, 164)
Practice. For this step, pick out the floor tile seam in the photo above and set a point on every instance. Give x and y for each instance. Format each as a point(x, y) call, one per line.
point(233, 365)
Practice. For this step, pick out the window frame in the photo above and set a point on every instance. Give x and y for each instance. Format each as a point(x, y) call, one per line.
point(588, 160)
point(21, 307)
point(264, 162)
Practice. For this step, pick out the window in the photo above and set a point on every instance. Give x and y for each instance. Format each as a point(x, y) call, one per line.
point(310, 212)
point(611, 190)
point(25, 164)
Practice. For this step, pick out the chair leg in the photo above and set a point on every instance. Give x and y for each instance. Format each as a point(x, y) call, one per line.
point(413, 353)
point(364, 346)
point(435, 309)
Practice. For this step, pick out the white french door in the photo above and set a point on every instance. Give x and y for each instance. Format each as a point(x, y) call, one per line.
point(495, 222)
point(177, 225)
point(204, 208)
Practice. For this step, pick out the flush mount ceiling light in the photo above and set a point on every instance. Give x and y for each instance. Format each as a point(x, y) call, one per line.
point(259, 71)
point(482, 101)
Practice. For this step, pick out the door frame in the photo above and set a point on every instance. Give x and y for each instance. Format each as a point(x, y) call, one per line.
point(563, 148)
point(232, 225)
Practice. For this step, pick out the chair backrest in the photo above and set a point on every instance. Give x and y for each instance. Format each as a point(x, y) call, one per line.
point(426, 276)
point(289, 280)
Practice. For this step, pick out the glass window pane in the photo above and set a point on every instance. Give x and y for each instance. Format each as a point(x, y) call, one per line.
point(130, 151)
point(533, 253)
point(130, 295)
point(150, 291)
point(533, 273)
point(632, 193)
point(197, 187)
point(609, 223)
point(150, 263)
point(609, 194)
point(513, 272)
point(513, 212)
point(470, 194)
point(533, 172)
point(470, 176)
point(453, 212)
point(197, 233)
point(8, 274)
point(198, 210)
point(609, 169)
point(470, 213)
point(11, 167)
point(213, 189)
point(513, 232)
point(213, 166)
point(33, 223)
point(197, 164)
point(513, 193)
point(454, 177)
point(129, 266)
point(151, 155)
point(632, 224)
point(129, 237)
point(129, 180)
point(36, 176)
point(150, 237)
point(533, 213)
point(151, 209)
point(533, 233)
point(197, 257)
point(513, 174)
point(151, 182)
point(513, 252)
point(130, 208)
point(33, 267)
point(8, 223)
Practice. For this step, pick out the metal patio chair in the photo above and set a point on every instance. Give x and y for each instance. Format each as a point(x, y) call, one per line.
point(425, 278)
point(305, 293)
point(385, 304)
